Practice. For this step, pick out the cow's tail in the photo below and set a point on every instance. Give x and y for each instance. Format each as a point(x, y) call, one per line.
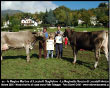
point(105, 37)
point(104, 45)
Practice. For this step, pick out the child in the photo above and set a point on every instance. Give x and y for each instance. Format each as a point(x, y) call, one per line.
point(59, 45)
point(50, 46)
point(66, 42)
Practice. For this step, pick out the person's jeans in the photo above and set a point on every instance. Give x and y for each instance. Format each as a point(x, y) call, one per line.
point(59, 50)
point(50, 52)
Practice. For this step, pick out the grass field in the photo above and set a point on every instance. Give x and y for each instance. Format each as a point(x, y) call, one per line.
point(76, 29)
point(14, 66)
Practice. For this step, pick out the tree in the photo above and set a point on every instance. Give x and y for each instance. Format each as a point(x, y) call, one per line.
point(104, 20)
point(27, 15)
point(62, 15)
point(2, 20)
point(103, 5)
point(50, 18)
point(35, 16)
point(102, 15)
point(85, 16)
point(7, 17)
point(41, 16)
point(75, 20)
point(45, 17)
point(67, 21)
point(19, 15)
point(14, 23)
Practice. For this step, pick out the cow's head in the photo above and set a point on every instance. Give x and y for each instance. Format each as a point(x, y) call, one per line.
point(67, 33)
point(37, 34)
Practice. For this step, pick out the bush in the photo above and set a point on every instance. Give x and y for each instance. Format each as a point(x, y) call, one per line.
point(27, 27)
point(6, 29)
point(44, 25)
point(15, 28)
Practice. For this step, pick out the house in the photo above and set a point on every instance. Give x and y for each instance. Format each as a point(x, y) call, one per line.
point(80, 21)
point(6, 24)
point(93, 20)
point(40, 22)
point(29, 22)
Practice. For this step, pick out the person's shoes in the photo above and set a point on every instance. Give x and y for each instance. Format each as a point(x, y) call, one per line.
point(56, 56)
point(45, 57)
point(60, 57)
point(39, 58)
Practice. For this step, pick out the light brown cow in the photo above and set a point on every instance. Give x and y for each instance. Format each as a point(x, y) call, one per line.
point(22, 39)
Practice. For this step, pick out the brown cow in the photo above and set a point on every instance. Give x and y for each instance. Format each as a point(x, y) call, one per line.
point(88, 41)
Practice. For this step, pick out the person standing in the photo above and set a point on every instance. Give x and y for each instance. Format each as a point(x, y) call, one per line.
point(50, 46)
point(42, 44)
point(66, 42)
point(59, 43)
point(58, 31)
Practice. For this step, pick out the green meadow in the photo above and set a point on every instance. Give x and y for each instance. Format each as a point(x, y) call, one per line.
point(14, 65)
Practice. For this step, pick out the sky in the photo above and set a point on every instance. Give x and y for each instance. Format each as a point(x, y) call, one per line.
point(73, 5)
point(37, 6)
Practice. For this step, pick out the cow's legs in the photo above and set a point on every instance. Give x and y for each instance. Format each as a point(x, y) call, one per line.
point(1, 56)
point(75, 51)
point(97, 57)
point(27, 53)
point(99, 52)
point(105, 49)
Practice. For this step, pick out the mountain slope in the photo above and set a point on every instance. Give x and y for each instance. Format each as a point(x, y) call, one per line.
point(9, 12)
